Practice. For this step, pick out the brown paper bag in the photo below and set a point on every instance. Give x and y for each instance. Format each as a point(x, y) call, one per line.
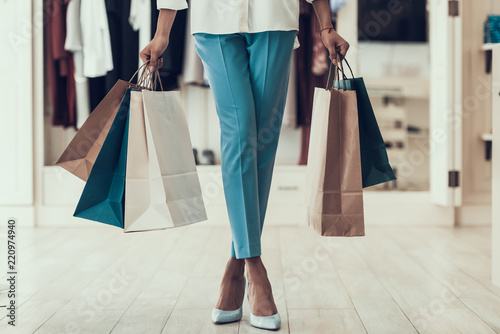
point(335, 189)
point(80, 155)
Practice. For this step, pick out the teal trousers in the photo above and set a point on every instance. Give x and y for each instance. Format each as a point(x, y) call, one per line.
point(248, 74)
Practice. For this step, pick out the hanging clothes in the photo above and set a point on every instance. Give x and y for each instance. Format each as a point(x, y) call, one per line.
point(97, 50)
point(307, 80)
point(192, 72)
point(140, 20)
point(173, 57)
point(97, 91)
point(312, 66)
point(305, 134)
point(124, 42)
point(97, 53)
point(320, 60)
point(59, 65)
point(74, 44)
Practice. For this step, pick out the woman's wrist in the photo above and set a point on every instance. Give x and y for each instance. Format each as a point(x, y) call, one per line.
point(327, 28)
point(162, 35)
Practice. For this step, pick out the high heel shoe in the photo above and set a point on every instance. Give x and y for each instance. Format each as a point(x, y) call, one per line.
point(224, 317)
point(271, 322)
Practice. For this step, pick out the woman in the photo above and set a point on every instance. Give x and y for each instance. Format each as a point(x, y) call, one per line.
point(246, 48)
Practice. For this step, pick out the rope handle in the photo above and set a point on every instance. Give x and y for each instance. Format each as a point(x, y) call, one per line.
point(154, 79)
point(349, 66)
point(135, 74)
point(148, 79)
point(339, 68)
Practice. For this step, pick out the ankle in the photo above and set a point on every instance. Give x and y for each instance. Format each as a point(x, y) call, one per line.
point(235, 268)
point(255, 268)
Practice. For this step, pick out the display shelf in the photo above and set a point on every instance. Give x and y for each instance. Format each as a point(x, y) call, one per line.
point(489, 46)
point(399, 86)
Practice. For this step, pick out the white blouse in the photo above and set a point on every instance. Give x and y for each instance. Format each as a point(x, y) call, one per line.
point(234, 16)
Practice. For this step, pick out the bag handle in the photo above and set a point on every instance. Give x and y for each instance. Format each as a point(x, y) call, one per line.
point(157, 79)
point(146, 79)
point(135, 74)
point(152, 79)
point(339, 68)
point(349, 66)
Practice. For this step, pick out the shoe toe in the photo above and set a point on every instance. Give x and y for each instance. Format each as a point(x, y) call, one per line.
point(272, 322)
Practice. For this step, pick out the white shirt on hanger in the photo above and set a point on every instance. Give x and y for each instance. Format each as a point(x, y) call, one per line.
point(235, 16)
point(140, 20)
point(74, 44)
point(97, 54)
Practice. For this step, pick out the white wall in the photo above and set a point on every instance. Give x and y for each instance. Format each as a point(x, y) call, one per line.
point(16, 162)
point(477, 115)
point(494, 7)
point(386, 60)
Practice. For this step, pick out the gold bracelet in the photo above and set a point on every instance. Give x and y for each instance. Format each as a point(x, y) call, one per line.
point(329, 28)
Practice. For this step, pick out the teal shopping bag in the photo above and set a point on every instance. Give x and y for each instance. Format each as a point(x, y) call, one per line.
point(374, 160)
point(102, 199)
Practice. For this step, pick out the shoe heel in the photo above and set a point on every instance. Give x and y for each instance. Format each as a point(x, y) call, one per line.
point(224, 317)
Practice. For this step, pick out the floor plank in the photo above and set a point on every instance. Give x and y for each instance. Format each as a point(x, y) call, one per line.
point(325, 321)
point(382, 316)
point(394, 280)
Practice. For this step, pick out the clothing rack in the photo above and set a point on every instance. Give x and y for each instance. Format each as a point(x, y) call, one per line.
point(99, 42)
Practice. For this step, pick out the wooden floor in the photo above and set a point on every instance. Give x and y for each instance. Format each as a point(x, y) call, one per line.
point(394, 280)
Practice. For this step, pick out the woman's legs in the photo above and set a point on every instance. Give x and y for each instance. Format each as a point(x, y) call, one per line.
point(248, 74)
point(269, 63)
point(232, 286)
point(226, 61)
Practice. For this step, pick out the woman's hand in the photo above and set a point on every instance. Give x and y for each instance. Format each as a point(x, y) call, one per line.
point(153, 51)
point(159, 44)
point(334, 43)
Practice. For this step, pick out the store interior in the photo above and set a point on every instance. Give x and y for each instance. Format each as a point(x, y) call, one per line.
point(432, 71)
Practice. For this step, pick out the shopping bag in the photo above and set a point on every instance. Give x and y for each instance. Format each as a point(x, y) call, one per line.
point(102, 197)
point(162, 184)
point(334, 191)
point(374, 160)
point(81, 153)
point(145, 204)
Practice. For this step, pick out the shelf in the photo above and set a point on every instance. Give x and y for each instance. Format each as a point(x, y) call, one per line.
point(489, 46)
point(488, 141)
point(419, 135)
point(488, 49)
point(487, 136)
point(399, 86)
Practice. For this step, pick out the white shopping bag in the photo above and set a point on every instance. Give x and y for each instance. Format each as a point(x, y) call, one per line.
point(162, 188)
